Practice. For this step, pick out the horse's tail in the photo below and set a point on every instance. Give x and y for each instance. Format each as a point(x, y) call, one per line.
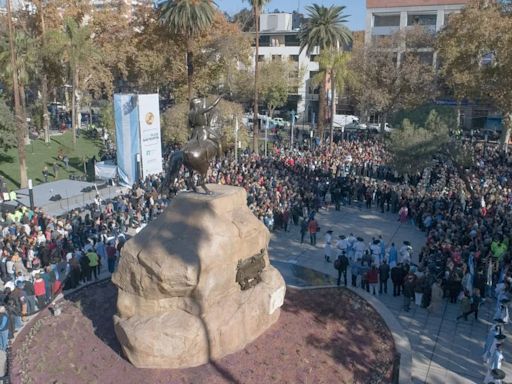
point(173, 167)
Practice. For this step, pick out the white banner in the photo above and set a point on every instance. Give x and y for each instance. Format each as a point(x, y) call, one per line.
point(150, 138)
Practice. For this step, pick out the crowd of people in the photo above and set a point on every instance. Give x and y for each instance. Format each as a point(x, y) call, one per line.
point(41, 255)
point(466, 215)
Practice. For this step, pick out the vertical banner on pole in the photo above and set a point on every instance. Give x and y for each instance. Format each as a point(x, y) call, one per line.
point(126, 113)
point(150, 139)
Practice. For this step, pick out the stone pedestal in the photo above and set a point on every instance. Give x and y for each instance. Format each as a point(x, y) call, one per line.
point(179, 304)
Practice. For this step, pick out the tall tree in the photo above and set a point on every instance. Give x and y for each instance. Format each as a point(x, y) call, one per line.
point(20, 131)
point(188, 19)
point(44, 76)
point(475, 50)
point(278, 80)
point(335, 64)
point(26, 54)
point(256, 5)
point(324, 29)
point(79, 54)
point(387, 78)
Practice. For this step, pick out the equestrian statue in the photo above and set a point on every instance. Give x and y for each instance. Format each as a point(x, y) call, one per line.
point(203, 146)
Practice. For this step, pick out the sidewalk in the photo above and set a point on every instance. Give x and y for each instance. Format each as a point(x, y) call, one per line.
point(444, 350)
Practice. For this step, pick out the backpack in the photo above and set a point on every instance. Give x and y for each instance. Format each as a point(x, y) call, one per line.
point(337, 263)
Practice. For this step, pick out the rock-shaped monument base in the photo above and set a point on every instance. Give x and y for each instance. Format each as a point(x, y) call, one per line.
point(179, 303)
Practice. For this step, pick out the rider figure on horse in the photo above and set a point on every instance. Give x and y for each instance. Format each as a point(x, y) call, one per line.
point(200, 124)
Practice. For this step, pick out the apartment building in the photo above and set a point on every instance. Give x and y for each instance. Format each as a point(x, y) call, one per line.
point(16, 5)
point(386, 17)
point(279, 40)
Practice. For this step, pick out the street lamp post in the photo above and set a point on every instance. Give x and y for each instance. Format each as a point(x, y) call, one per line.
point(266, 133)
point(293, 126)
point(31, 194)
point(236, 139)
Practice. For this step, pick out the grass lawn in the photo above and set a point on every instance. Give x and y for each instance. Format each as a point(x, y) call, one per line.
point(40, 154)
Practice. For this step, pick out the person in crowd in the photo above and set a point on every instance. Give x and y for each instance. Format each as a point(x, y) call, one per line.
point(313, 229)
point(40, 291)
point(436, 299)
point(408, 291)
point(94, 264)
point(397, 278)
point(4, 329)
point(373, 279)
point(383, 277)
point(341, 264)
point(328, 246)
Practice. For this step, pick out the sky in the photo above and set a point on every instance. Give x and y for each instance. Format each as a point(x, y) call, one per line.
point(354, 8)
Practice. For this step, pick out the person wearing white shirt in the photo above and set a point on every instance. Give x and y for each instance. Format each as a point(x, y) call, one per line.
point(375, 251)
point(405, 253)
point(342, 243)
point(328, 246)
point(359, 248)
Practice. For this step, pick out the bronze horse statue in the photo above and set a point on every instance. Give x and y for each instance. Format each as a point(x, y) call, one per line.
point(203, 146)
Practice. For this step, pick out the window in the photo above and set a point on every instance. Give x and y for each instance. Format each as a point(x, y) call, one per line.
point(421, 19)
point(276, 58)
point(291, 41)
point(294, 58)
point(313, 58)
point(261, 58)
point(264, 41)
point(386, 20)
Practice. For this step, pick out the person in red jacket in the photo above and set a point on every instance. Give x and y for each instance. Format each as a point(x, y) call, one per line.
point(373, 278)
point(40, 291)
point(312, 229)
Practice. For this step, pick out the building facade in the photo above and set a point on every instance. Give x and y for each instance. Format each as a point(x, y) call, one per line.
point(279, 40)
point(387, 17)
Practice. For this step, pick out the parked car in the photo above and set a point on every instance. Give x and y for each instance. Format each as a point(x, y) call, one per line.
point(375, 127)
point(355, 126)
point(279, 122)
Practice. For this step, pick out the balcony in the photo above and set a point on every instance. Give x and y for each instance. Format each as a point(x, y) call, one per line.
point(385, 31)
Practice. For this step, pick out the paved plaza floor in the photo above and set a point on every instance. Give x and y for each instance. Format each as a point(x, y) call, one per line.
point(445, 351)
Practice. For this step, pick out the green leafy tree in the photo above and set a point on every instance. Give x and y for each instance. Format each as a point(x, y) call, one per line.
point(26, 61)
point(188, 19)
point(414, 147)
point(475, 51)
point(7, 127)
point(324, 29)
point(387, 78)
point(245, 18)
point(256, 6)
point(278, 78)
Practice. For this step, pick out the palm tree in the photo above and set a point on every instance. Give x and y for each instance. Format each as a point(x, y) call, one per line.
point(256, 5)
point(325, 30)
point(20, 134)
point(188, 19)
point(79, 52)
point(26, 62)
point(335, 64)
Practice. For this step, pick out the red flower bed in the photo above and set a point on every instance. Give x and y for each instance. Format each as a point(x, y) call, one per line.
point(322, 336)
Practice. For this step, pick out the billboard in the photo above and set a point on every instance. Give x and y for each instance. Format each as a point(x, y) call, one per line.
point(126, 113)
point(150, 140)
point(138, 139)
